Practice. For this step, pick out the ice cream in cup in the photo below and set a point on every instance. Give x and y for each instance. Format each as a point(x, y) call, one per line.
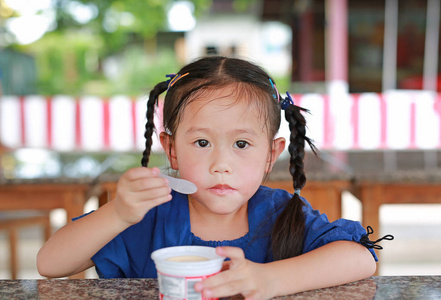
point(180, 267)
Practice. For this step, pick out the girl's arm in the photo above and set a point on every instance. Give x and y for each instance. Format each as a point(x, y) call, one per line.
point(71, 248)
point(333, 264)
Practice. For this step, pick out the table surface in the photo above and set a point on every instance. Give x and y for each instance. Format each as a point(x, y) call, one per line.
point(383, 287)
point(45, 194)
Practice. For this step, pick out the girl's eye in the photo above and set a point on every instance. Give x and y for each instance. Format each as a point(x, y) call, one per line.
point(202, 143)
point(241, 144)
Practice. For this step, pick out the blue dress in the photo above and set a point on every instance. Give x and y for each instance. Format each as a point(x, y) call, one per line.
point(128, 254)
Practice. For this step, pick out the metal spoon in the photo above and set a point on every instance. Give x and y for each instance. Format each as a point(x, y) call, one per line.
point(180, 185)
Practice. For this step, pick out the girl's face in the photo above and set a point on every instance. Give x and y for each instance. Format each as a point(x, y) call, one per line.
point(222, 146)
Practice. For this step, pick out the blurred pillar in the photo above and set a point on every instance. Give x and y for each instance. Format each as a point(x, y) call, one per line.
point(2, 148)
point(430, 73)
point(336, 60)
point(336, 46)
point(302, 26)
point(306, 51)
point(389, 80)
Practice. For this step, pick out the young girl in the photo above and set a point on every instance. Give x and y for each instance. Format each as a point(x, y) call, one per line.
point(221, 116)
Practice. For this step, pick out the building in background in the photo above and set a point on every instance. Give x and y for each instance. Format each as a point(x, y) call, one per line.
point(372, 45)
point(225, 31)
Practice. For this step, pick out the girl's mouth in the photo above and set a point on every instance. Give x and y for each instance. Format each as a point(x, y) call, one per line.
point(222, 189)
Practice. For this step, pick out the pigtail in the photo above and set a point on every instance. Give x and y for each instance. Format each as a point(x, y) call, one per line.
point(289, 228)
point(150, 125)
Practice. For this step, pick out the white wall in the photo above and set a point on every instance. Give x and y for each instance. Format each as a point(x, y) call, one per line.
point(266, 44)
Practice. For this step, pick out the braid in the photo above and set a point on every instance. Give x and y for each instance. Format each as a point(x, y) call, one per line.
point(289, 228)
point(296, 148)
point(150, 125)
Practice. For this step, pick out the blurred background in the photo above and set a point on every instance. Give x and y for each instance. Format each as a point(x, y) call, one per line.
point(75, 76)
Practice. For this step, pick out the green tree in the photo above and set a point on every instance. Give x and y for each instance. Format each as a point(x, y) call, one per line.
point(66, 62)
point(70, 57)
point(119, 22)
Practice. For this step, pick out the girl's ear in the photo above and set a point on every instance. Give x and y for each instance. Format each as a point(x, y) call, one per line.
point(167, 144)
point(276, 149)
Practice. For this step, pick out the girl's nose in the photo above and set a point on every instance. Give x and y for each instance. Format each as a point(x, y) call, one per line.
point(220, 163)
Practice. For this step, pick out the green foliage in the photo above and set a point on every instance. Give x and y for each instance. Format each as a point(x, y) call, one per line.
point(242, 5)
point(141, 71)
point(138, 73)
point(122, 21)
point(62, 62)
point(72, 66)
point(70, 59)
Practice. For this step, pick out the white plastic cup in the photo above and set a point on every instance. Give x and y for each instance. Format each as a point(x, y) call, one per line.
point(176, 279)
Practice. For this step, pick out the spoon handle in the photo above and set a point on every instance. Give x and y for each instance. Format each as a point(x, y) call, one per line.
point(180, 185)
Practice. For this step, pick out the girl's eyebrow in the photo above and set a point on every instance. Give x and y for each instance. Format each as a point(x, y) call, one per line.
point(249, 131)
point(246, 131)
point(196, 129)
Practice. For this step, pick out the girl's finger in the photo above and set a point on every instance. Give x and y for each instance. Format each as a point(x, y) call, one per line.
point(232, 288)
point(235, 254)
point(144, 184)
point(151, 194)
point(222, 278)
point(155, 202)
point(140, 172)
point(230, 252)
point(228, 278)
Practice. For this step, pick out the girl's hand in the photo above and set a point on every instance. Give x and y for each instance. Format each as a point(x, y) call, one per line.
point(239, 276)
point(138, 191)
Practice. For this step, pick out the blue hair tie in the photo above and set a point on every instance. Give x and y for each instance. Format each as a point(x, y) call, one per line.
point(170, 77)
point(276, 96)
point(287, 101)
point(173, 78)
point(297, 191)
point(284, 102)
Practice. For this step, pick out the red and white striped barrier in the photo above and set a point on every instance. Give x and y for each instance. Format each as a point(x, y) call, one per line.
point(394, 120)
point(65, 123)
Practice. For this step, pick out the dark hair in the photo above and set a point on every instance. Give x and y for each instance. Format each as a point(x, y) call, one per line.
point(251, 83)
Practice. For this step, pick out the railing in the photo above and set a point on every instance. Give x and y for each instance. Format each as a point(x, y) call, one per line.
point(64, 123)
point(367, 121)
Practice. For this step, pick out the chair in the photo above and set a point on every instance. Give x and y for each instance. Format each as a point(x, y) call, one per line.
point(12, 221)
